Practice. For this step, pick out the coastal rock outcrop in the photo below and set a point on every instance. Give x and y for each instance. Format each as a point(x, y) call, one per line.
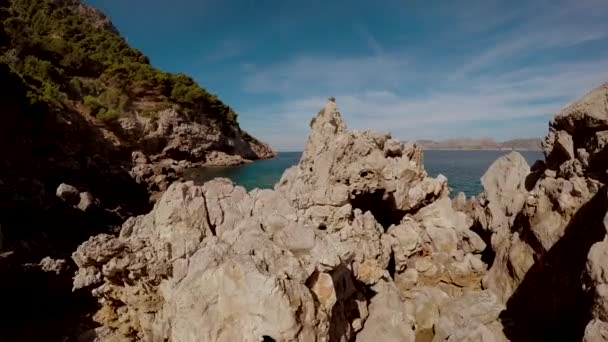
point(199, 139)
point(545, 226)
point(355, 242)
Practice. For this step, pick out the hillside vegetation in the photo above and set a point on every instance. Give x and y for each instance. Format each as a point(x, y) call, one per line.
point(70, 54)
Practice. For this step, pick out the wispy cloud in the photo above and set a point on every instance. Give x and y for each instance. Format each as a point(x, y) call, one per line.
point(370, 40)
point(522, 94)
point(330, 73)
point(507, 88)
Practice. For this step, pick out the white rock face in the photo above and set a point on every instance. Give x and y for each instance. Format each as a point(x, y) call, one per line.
point(195, 137)
point(348, 246)
point(340, 167)
point(544, 224)
point(472, 317)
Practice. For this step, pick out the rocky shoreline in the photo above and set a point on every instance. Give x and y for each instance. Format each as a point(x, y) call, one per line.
point(358, 243)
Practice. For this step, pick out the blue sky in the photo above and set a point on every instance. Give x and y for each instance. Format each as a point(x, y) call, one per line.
point(418, 69)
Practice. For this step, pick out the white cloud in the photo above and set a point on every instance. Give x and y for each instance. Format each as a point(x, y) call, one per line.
point(412, 98)
point(331, 73)
point(522, 94)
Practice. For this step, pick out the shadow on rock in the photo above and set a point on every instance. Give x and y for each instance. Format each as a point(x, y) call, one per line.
point(349, 291)
point(550, 303)
point(42, 146)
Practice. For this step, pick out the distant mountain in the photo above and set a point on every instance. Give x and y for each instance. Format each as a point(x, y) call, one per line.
point(532, 144)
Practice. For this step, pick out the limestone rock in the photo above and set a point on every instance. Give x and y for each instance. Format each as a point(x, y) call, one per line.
point(218, 158)
point(68, 193)
point(366, 169)
point(87, 201)
point(388, 317)
point(504, 186)
point(596, 331)
point(52, 265)
point(239, 302)
point(139, 158)
point(564, 145)
point(581, 125)
point(334, 253)
point(473, 317)
point(546, 223)
point(590, 111)
point(460, 202)
point(597, 282)
point(157, 176)
point(424, 308)
point(193, 137)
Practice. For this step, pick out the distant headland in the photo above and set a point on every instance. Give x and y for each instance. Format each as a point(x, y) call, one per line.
point(529, 144)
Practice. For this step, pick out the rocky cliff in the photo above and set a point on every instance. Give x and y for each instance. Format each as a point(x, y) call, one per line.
point(90, 129)
point(356, 242)
point(548, 229)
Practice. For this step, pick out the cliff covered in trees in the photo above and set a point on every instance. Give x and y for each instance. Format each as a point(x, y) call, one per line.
point(70, 57)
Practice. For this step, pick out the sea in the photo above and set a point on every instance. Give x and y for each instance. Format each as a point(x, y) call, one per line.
point(462, 168)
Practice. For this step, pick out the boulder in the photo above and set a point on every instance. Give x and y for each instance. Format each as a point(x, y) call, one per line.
point(504, 189)
point(388, 317)
point(68, 193)
point(48, 264)
point(218, 158)
point(582, 127)
point(472, 317)
point(87, 202)
point(596, 330)
point(139, 158)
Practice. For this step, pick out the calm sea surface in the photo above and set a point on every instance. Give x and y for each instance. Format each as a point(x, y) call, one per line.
point(463, 169)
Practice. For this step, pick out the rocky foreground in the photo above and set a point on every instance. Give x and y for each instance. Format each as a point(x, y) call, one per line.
point(356, 242)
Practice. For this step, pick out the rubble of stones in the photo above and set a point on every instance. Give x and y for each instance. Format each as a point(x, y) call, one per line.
point(358, 243)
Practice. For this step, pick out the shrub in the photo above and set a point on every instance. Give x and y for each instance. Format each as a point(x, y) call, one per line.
point(75, 87)
point(114, 98)
point(40, 69)
point(108, 115)
point(57, 50)
point(93, 104)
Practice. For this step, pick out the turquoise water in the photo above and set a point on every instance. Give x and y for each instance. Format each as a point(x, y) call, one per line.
point(259, 174)
point(463, 169)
